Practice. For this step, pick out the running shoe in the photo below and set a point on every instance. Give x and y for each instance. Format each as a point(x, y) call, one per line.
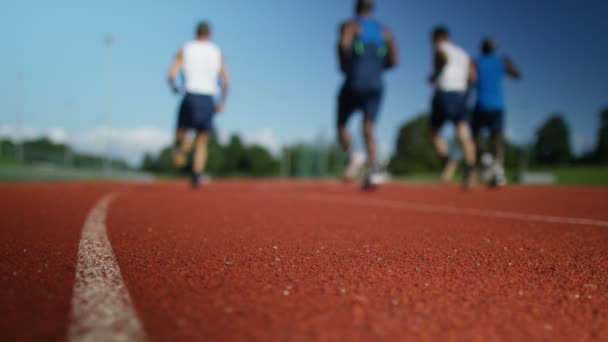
point(200, 180)
point(354, 164)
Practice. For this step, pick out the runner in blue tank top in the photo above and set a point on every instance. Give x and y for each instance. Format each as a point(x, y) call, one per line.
point(489, 110)
point(365, 50)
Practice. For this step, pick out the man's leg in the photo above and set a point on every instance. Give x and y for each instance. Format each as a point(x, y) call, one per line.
point(370, 142)
point(344, 138)
point(200, 153)
point(499, 148)
point(437, 120)
point(346, 106)
point(441, 146)
point(200, 159)
point(449, 170)
point(180, 152)
point(499, 178)
point(466, 141)
point(344, 110)
point(468, 147)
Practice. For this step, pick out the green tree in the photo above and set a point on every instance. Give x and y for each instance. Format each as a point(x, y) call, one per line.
point(233, 156)
point(258, 162)
point(413, 150)
point(601, 150)
point(553, 142)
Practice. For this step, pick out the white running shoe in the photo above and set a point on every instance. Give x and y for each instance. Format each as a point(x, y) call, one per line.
point(353, 168)
point(499, 178)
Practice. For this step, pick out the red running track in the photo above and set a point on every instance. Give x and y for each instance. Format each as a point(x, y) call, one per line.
point(316, 261)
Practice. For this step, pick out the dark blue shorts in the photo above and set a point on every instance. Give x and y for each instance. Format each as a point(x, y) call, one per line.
point(490, 119)
point(350, 101)
point(449, 106)
point(196, 112)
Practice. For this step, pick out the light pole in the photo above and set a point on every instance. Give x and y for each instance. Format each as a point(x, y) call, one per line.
point(19, 116)
point(108, 43)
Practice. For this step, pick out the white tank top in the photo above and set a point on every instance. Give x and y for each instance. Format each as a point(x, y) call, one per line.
point(455, 74)
point(201, 67)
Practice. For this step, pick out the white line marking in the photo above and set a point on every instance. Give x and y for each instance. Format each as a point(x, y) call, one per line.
point(430, 208)
point(102, 309)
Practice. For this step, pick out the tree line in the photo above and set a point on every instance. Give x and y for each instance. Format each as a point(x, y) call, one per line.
point(234, 159)
point(551, 147)
point(45, 151)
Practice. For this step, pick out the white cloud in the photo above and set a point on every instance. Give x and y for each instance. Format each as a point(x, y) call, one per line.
point(14, 132)
point(130, 144)
point(581, 144)
point(266, 138)
point(57, 135)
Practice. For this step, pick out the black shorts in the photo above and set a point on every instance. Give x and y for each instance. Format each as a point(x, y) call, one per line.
point(350, 101)
point(489, 119)
point(449, 106)
point(196, 112)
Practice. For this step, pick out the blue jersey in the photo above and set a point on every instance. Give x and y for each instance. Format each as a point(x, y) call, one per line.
point(491, 72)
point(368, 57)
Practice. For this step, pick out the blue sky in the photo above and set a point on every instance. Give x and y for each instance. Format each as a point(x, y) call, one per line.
point(282, 59)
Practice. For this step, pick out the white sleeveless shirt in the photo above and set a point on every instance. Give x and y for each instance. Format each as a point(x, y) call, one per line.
point(455, 74)
point(201, 67)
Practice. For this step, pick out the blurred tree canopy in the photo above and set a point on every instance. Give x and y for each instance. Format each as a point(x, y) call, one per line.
point(601, 150)
point(413, 149)
point(234, 159)
point(552, 145)
point(45, 151)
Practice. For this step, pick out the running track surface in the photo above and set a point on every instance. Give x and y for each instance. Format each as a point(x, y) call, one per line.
point(314, 261)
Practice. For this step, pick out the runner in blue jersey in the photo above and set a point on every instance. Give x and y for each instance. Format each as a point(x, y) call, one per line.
point(365, 50)
point(489, 110)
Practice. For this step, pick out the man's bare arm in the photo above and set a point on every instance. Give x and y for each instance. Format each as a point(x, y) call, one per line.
point(511, 69)
point(472, 73)
point(225, 79)
point(393, 53)
point(348, 32)
point(175, 69)
point(440, 60)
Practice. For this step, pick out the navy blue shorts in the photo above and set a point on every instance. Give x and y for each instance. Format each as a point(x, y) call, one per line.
point(490, 119)
point(196, 112)
point(449, 106)
point(350, 101)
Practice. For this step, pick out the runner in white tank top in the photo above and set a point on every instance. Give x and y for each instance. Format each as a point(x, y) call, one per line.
point(203, 67)
point(455, 73)
point(202, 63)
point(452, 74)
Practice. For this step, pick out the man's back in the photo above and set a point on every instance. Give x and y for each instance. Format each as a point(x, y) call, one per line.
point(201, 67)
point(367, 59)
point(455, 74)
point(491, 72)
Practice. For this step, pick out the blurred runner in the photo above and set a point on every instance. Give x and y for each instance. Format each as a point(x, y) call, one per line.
point(489, 109)
point(451, 77)
point(202, 65)
point(365, 50)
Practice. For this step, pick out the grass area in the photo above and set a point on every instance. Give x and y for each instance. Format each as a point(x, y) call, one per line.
point(587, 175)
point(11, 171)
point(580, 175)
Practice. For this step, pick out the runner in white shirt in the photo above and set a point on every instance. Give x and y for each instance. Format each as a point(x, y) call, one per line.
point(453, 72)
point(203, 67)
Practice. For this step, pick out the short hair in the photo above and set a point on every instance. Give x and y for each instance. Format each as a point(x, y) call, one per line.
point(203, 29)
point(488, 46)
point(440, 32)
point(364, 6)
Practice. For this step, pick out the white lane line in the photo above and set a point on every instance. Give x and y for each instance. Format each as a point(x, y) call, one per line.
point(102, 309)
point(430, 208)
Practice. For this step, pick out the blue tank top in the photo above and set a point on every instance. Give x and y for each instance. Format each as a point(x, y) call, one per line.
point(491, 72)
point(368, 57)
